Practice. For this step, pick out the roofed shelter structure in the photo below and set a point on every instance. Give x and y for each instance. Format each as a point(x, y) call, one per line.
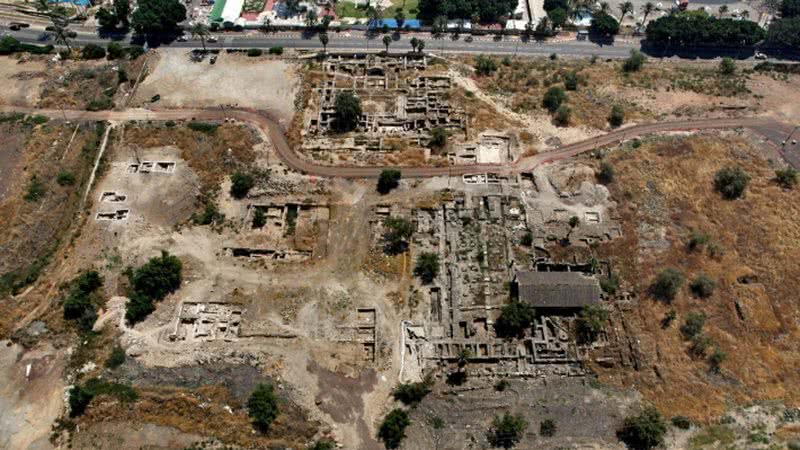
point(556, 292)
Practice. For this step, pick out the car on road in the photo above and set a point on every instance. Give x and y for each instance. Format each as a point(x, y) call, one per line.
point(760, 55)
point(468, 39)
point(182, 38)
point(18, 25)
point(212, 39)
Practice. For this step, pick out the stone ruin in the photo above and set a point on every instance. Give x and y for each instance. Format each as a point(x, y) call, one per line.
point(395, 102)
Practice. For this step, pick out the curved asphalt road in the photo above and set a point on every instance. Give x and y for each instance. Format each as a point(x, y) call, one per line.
point(276, 134)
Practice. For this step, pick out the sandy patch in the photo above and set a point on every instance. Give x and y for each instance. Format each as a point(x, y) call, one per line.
point(21, 80)
point(262, 83)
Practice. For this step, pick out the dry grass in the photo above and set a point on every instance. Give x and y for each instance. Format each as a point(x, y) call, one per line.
point(666, 185)
point(211, 156)
point(85, 82)
point(202, 411)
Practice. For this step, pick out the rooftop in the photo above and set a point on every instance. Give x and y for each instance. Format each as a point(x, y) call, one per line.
point(557, 289)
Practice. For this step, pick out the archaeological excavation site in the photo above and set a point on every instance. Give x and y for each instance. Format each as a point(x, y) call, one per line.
point(369, 250)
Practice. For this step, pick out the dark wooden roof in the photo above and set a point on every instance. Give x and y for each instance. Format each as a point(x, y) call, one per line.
point(557, 289)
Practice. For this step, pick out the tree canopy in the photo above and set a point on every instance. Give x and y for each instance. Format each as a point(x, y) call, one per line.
point(486, 10)
point(790, 9)
point(604, 25)
point(784, 33)
point(158, 16)
point(506, 431)
point(263, 407)
point(393, 429)
point(348, 111)
point(690, 30)
point(427, 266)
point(151, 282)
point(389, 179)
point(514, 319)
point(643, 431)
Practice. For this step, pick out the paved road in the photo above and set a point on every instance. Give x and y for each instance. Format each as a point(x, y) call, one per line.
point(357, 40)
point(276, 134)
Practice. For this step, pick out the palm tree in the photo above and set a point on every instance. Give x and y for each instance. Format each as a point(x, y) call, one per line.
point(323, 39)
point(604, 7)
point(414, 43)
point(722, 10)
point(420, 45)
point(625, 8)
point(648, 8)
point(311, 18)
point(387, 40)
point(266, 25)
point(200, 30)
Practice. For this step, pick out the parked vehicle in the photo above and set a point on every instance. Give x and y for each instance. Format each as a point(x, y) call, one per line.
point(212, 39)
point(760, 55)
point(182, 38)
point(468, 39)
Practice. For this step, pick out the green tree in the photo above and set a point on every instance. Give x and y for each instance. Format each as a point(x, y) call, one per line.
point(731, 182)
point(571, 81)
point(553, 98)
point(603, 25)
point(634, 62)
point(693, 30)
point(398, 232)
point(667, 284)
point(158, 277)
point(122, 11)
point(716, 359)
point(625, 8)
point(412, 393)
point(106, 19)
point(558, 17)
point(323, 39)
point(427, 267)
point(389, 179)
point(115, 51)
point(387, 41)
point(35, 189)
point(347, 112)
point(727, 66)
point(547, 428)
point(507, 430)
point(311, 18)
point(81, 300)
point(647, 9)
point(400, 18)
point(787, 177)
point(562, 116)
point(93, 51)
point(393, 428)
point(259, 218)
point(262, 407)
point(241, 183)
point(438, 138)
point(116, 358)
point(414, 43)
point(200, 30)
point(643, 431)
point(485, 65)
point(439, 25)
point(515, 318)
point(65, 178)
point(420, 45)
point(591, 321)
point(723, 9)
point(606, 174)
point(702, 286)
point(617, 116)
point(153, 17)
point(79, 399)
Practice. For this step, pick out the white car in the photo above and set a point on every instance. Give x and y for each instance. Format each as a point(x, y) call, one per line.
point(182, 38)
point(760, 55)
point(212, 39)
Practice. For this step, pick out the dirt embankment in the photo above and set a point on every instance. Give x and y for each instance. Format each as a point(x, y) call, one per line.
point(665, 191)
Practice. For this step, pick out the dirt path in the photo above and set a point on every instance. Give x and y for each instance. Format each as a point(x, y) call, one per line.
point(265, 123)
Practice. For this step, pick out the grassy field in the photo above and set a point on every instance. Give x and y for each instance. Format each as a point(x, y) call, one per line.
point(348, 9)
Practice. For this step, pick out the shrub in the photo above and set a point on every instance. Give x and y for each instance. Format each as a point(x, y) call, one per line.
point(389, 179)
point(574, 221)
point(203, 127)
point(241, 183)
point(698, 30)
point(398, 231)
point(254, 52)
point(135, 51)
point(122, 76)
point(571, 81)
point(93, 51)
point(716, 359)
point(114, 50)
point(527, 239)
point(323, 444)
point(702, 286)
point(731, 182)
point(610, 284)
point(786, 177)
point(412, 393)
point(668, 318)
point(427, 266)
point(38, 119)
point(262, 406)
point(667, 284)
point(100, 104)
point(347, 112)
point(562, 115)
point(259, 218)
point(438, 138)
point(634, 62)
point(65, 178)
point(79, 399)
point(515, 318)
point(80, 302)
point(81, 396)
point(501, 386)
point(506, 431)
point(116, 358)
point(210, 214)
point(693, 325)
point(700, 344)
point(393, 428)
point(35, 189)
point(727, 66)
point(485, 65)
point(547, 428)
point(553, 98)
point(277, 50)
point(643, 431)
point(591, 321)
point(617, 116)
point(696, 241)
point(681, 422)
point(606, 174)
